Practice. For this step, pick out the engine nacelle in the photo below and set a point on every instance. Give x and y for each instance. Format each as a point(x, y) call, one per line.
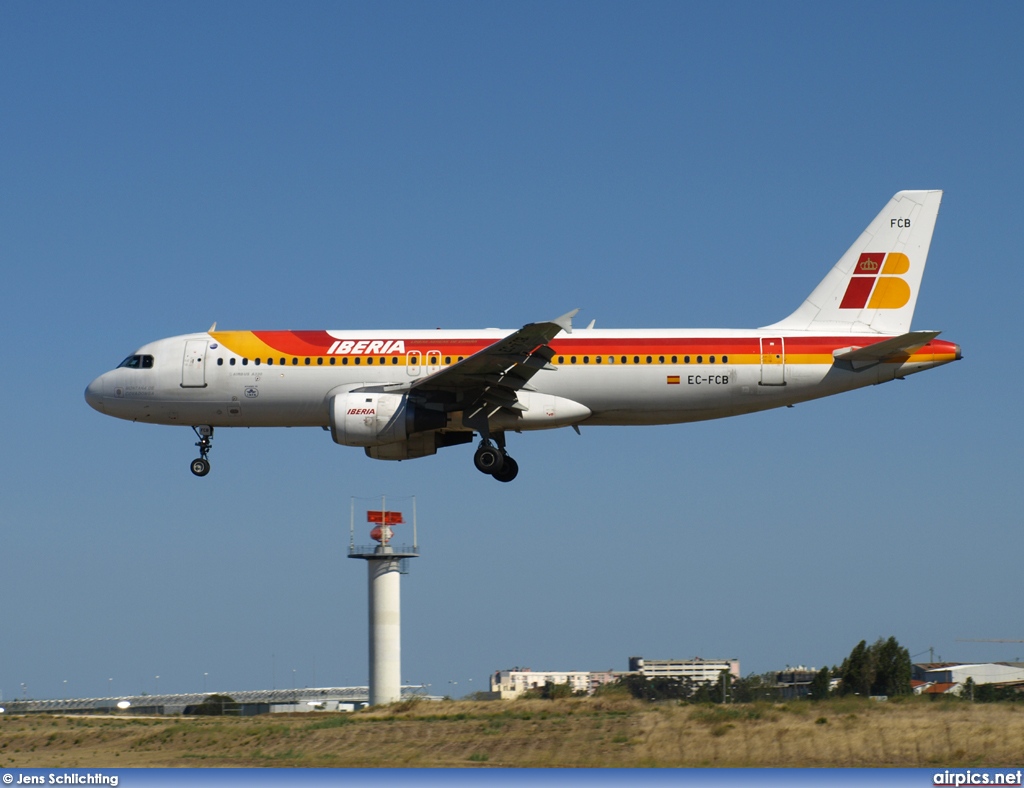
point(366, 418)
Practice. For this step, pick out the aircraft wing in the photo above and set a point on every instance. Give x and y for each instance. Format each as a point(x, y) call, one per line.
point(886, 350)
point(489, 379)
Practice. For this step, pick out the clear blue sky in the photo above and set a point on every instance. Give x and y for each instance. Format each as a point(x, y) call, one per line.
point(412, 165)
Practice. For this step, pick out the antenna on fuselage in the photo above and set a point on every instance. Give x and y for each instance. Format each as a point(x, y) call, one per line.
point(213, 327)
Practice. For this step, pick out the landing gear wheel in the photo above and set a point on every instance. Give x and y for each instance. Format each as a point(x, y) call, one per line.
point(201, 466)
point(487, 459)
point(508, 471)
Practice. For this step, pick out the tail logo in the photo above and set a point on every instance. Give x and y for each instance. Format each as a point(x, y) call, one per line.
point(869, 289)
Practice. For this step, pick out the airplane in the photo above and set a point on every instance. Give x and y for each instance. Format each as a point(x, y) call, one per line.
point(401, 395)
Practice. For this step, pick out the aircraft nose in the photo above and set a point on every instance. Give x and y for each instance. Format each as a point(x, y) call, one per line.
point(94, 394)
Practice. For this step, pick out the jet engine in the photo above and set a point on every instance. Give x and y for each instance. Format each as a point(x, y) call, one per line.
point(366, 418)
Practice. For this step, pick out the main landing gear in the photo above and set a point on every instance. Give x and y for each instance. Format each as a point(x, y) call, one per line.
point(494, 460)
point(201, 466)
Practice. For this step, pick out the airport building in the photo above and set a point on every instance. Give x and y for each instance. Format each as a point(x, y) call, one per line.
point(936, 678)
point(510, 684)
point(796, 682)
point(244, 703)
point(697, 670)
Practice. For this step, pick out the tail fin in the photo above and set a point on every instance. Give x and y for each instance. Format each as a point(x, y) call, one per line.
point(874, 286)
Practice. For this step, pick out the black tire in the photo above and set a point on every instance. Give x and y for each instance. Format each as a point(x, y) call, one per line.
point(487, 460)
point(200, 467)
point(508, 471)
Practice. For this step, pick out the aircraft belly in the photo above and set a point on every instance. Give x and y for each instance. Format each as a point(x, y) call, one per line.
point(672, 395)
point(655, 395)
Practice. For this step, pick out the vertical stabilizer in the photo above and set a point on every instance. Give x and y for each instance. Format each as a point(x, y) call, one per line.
point(874, 286)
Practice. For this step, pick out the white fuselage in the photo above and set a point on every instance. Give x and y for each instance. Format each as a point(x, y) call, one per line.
point(621, 377)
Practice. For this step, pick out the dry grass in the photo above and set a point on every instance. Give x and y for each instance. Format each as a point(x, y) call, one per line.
point(574, 732)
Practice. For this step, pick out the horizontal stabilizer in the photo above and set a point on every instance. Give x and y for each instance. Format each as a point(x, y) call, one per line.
point(886, 350)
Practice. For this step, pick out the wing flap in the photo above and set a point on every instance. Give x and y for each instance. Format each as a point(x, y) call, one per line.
point(487, 381)
point(509, 362)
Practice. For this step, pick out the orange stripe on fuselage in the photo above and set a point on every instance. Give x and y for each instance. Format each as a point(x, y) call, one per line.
point(738, 350)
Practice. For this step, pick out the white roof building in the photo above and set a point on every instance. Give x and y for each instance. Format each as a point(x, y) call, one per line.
point(980, 672)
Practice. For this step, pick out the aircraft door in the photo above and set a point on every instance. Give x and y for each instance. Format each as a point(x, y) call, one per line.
point(412, 364)
point(193, 366)
point(433, 361)
point(773, 361)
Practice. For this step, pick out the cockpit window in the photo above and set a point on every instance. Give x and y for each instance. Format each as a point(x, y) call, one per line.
point(137, 362)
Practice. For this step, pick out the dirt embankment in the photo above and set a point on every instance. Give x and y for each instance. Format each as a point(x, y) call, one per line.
point(575, 732)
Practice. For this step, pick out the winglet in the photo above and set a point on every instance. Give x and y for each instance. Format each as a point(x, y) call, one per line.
point(565, 321)
point(213, 327)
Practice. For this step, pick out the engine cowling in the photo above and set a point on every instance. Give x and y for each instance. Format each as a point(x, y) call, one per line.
point(366, 418)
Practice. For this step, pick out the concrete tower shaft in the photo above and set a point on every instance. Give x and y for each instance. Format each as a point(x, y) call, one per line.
point(385, 629)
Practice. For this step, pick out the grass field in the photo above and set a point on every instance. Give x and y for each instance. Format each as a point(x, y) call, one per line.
point(613, 732)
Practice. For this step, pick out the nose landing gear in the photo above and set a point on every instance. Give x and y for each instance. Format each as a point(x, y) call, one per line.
point(495, 461)
point(201, 465)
